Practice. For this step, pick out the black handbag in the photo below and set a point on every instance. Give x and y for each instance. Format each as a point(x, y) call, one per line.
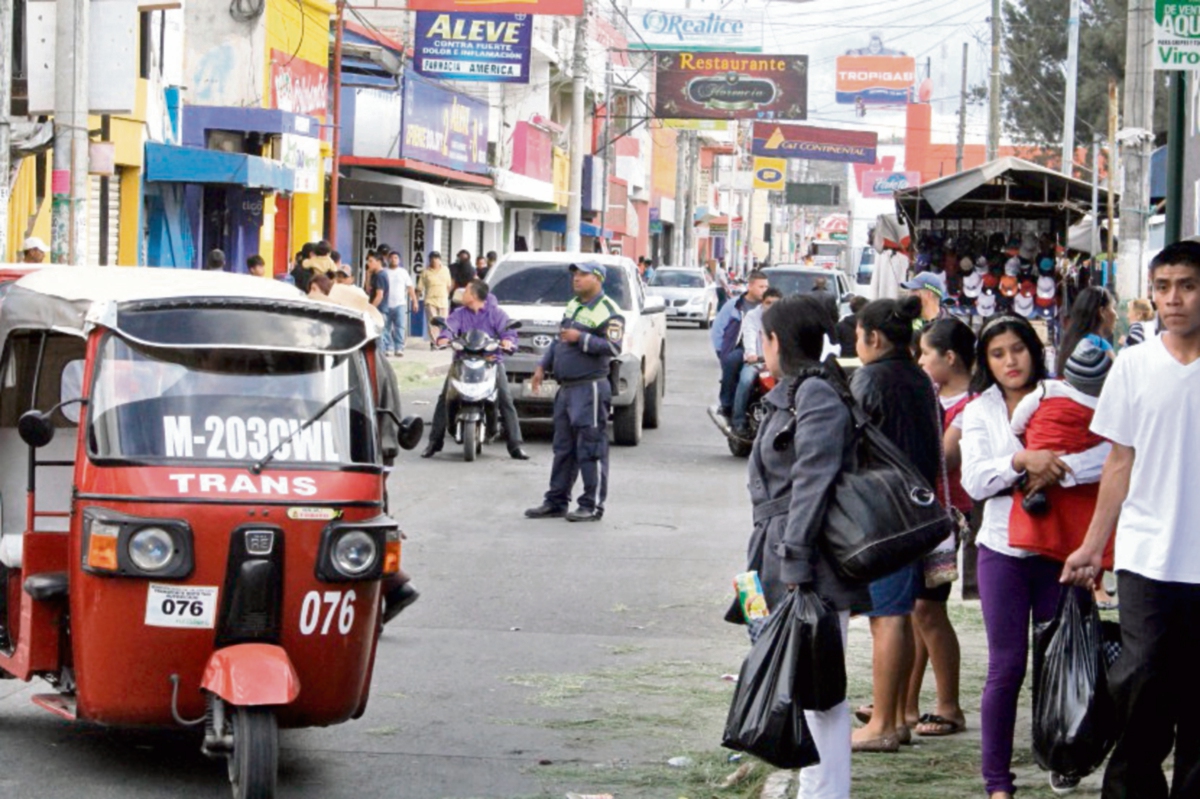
point(882, 514)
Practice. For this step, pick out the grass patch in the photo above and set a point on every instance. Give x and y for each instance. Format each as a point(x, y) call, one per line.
point(414, 375)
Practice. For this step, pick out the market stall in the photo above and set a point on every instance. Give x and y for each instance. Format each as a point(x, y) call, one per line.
point(999, 235)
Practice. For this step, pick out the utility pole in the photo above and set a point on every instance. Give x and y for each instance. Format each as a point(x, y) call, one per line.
point(1137, 143)
point(1095, 239)
point(1068, 144)
point(993, 143)
point(962, 115)
point(689, 230)
point(579, 69)
point(682, 152)
point(69, 178)
point(6, 43)
point(1113, 111)
point(1176, 141)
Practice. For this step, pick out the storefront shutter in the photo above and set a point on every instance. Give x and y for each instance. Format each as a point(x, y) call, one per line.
point(95, 218)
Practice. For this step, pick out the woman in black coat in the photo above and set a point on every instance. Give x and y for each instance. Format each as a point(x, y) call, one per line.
point(899, 398)
point(796, 460)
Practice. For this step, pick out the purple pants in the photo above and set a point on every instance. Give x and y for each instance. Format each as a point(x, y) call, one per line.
point(1011, 591)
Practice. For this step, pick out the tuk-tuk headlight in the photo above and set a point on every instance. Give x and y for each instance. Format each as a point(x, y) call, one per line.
point(151, 549)
point(355, 553)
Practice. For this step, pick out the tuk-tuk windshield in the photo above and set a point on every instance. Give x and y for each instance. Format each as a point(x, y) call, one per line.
point(151, 404)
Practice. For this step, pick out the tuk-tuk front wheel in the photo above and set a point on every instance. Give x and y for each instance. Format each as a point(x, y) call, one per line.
point(254, 761)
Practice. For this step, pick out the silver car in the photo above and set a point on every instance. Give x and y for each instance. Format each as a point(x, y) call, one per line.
point(690, 294)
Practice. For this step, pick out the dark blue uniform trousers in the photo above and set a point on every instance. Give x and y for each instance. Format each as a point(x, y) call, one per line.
point(581, 444)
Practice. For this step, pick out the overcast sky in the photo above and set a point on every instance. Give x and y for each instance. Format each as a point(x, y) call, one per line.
point(933, 31)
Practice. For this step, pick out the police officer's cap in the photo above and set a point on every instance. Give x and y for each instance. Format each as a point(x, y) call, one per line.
point(592, 269)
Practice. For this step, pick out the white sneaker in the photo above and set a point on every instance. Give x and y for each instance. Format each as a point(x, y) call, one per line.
point(1063, 785)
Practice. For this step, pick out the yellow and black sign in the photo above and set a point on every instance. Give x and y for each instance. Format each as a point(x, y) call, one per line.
point(769, 173)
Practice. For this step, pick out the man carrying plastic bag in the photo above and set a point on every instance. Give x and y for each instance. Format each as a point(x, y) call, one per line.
point(1074, 720)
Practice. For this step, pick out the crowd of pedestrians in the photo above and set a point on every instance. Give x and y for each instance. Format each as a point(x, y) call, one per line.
point(1040, 460)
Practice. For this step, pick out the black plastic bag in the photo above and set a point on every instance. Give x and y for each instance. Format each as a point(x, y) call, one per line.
point(1074, 718)
point(821, 676)
point(765, 720)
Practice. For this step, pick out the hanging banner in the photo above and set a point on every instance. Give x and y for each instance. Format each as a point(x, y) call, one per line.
point(875, 79)
point(478, 47)
point(443, 127)
point(561, 8)
point(769, 173)
point(1177, 35)
point(882, 185)
point(731, 86)
point(818, 144)
point(713, 125)
point(690, 29)
point(298, 86)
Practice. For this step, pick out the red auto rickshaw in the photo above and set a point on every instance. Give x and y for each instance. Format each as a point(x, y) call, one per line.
point(193, 521)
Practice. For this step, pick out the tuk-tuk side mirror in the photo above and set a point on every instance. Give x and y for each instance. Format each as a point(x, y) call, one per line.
point(35, 428)
point(411, 430)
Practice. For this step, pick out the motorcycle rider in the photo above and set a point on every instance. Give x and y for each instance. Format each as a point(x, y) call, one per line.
point(726, 336)
point(479, 311)
point(752, 362)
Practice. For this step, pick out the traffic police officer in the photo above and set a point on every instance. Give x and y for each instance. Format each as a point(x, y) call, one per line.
point(590, 337)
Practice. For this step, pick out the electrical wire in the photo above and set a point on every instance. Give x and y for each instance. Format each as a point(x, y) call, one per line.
point(303, 31)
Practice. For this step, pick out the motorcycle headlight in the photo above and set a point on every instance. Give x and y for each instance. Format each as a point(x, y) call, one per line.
point(354, 553)
point(151, 549)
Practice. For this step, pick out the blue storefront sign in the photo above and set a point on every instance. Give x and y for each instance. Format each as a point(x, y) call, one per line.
point(443, 127)
point(478, 47)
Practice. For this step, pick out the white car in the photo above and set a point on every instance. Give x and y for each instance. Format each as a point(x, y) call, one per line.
point(689, 293)
point(534, 288)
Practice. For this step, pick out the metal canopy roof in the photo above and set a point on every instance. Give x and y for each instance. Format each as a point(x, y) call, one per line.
point(1005, 187)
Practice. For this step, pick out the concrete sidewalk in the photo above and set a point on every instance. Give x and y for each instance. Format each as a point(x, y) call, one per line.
point(420, 362)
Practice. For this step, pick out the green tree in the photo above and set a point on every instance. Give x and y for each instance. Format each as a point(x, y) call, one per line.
point(1034, 80)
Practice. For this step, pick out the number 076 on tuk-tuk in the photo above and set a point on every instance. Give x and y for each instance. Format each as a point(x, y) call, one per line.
point(193, 527)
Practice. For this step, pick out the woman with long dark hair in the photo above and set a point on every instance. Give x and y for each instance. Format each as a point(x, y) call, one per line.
point(802, 447)
point(1017, 588)
point(947, 355)
point(899, 398)
point(1093, 315)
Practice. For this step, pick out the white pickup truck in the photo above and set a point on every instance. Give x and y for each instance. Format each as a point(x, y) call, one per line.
point(534, 288)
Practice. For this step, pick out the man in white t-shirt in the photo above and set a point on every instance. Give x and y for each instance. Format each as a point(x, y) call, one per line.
point(401, 296)
point(1150, 411)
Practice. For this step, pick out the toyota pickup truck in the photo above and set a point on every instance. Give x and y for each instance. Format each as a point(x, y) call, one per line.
point(534, 288)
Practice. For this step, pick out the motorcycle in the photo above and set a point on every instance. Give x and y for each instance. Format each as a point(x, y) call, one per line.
point(472, 391)
point(756, 413)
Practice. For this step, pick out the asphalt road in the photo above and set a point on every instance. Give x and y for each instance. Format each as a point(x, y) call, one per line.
point(452, 711)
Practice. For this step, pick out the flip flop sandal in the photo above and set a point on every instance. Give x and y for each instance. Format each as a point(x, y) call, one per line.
point(942, 726)
point(864, 713)
point(888, 744)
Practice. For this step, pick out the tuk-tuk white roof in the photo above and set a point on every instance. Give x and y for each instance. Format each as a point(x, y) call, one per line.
point(132, 284)
point(73, 299)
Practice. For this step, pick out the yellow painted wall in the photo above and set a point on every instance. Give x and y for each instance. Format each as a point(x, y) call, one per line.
point(307, 36)
point(25, 216)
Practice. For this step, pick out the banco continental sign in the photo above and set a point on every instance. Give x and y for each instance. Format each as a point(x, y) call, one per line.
point(731, 86)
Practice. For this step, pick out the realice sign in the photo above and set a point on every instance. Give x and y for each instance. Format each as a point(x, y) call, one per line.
point(686, 29)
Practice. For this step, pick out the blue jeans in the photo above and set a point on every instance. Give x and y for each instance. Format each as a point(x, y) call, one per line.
point(741, 398)
point(731, 367)
point(395, 324)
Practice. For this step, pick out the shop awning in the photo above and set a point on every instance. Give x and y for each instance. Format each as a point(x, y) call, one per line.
point(167, 164)
point(404, 195)
point(557, 223)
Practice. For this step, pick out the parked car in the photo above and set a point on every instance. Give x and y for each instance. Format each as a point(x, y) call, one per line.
point(534, 288)
point(690, 294)
point(866, 266)
point(801, 279)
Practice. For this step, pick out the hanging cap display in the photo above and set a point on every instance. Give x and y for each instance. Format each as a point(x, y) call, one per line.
point(972, 284)
point(1046, 287)
point(1008, 286)
point(985, 306)
point(1023, 305)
